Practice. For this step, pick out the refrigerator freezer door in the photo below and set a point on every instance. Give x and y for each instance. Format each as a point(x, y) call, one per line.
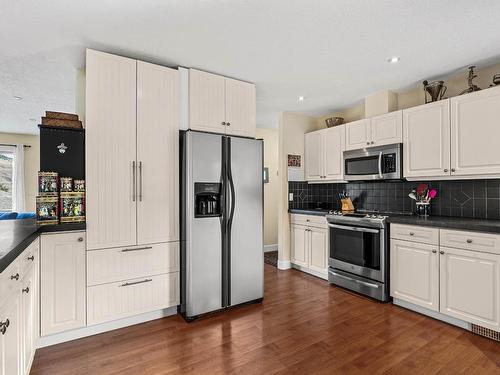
point(203, 235)
point(246, 225)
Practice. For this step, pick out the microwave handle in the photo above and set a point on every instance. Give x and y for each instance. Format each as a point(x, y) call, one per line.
point(380, 175)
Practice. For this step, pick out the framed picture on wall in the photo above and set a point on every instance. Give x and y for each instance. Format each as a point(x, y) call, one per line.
point(294, 161)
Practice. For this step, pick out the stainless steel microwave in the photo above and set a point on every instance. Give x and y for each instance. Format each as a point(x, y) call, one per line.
point(375, 163)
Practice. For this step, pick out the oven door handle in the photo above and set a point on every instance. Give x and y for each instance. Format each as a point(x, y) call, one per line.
point(356, 281)
point(354, 229)
point(380, 175)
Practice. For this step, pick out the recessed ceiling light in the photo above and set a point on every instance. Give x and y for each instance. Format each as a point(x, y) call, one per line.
point(17, 98)
point(394, 59)
point(301, 98)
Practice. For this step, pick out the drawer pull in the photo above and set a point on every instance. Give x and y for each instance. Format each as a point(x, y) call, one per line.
point(137, 282)
point(469, 240)
point(15, 277)
point(412, 234)
point(32, 258)
point(136, 249)
point(441, 252)
point(80, 239)
point(27, 290)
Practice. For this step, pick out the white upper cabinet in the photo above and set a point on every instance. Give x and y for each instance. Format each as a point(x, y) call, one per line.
point(221, 105)
point(240, 108)
point(314, 156)
point(324, 154)
point(387, 129)
point(110, 150)
point(333, 150)
point(157, 154)
point(426, 140)
point(415, 273)
point(207, 101)
point(357, 134)
point(475, 130)
point(381, 130)
point(470, 285)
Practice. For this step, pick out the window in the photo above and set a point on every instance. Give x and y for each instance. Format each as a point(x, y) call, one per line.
point(7, 195)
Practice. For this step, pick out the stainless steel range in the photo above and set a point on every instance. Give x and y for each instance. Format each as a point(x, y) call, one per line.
point(358, 254)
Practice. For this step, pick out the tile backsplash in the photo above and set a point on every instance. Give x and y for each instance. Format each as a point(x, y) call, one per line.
point(464, 198)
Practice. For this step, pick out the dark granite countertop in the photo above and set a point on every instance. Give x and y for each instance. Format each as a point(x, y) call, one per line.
point(16, 235)
point(309, 211)
point(477, 225)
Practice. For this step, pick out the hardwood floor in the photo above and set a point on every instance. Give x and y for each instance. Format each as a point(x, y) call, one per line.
point(303, 326)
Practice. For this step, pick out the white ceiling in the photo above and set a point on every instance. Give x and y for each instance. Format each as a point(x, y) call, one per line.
point(333, 52)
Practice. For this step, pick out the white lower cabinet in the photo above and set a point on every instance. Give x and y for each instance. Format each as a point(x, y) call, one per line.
point(10, 339)
point(470, 286)
point(19, 314)
point(118, 300)
point(309, 248)
point(127, 281)
point(461, 283)
point(62, 282)
point(415, 273)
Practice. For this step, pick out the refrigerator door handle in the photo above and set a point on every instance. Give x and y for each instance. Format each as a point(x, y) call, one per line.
point(233, 197)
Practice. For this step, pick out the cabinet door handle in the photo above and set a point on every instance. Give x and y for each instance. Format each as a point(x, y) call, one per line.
point(140, 181)
point(133, 181)
point(445, 170)
point(137, 282)
point(453, 169)
point(372, 142)
point(26, 290)
point(228, 123)
point(15, 277)
point(80, 239)
point(3, 326)
point(441, 252)
point(434, 251)
point(412, 234)
point(223, 123)
point(136, 249)
point(32, 258)
point(367, 143)
point(469, 240)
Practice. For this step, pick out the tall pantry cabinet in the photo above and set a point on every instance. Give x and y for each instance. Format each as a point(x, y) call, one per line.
point(132, 130)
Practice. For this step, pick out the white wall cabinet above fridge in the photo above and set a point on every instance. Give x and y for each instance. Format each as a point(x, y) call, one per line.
point(324, 154)
point(381, 130)
point(220, 105)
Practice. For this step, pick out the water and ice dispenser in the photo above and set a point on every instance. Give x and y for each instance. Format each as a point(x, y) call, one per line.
point(207, 198)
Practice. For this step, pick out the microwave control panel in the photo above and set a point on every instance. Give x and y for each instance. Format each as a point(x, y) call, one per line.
point(389, 163)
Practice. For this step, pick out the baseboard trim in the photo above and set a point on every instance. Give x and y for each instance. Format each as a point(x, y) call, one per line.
point(284, 264)
point(273, 247)
point(104, 327)
point(433, 314)
point(310, 272)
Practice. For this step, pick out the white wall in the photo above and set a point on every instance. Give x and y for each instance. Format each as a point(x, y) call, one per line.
point(271, 189)
point(292, 128)
point(31, 164)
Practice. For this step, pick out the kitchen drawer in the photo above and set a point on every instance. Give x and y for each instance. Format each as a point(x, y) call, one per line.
point(9, 285)
point(415, 233)
point(111, 265)
point(312, 220)
point(29, 257)
point(484, 242)
point(113, 301)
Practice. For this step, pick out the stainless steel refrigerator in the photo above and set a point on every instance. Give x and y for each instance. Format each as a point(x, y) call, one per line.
point(222, 261)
